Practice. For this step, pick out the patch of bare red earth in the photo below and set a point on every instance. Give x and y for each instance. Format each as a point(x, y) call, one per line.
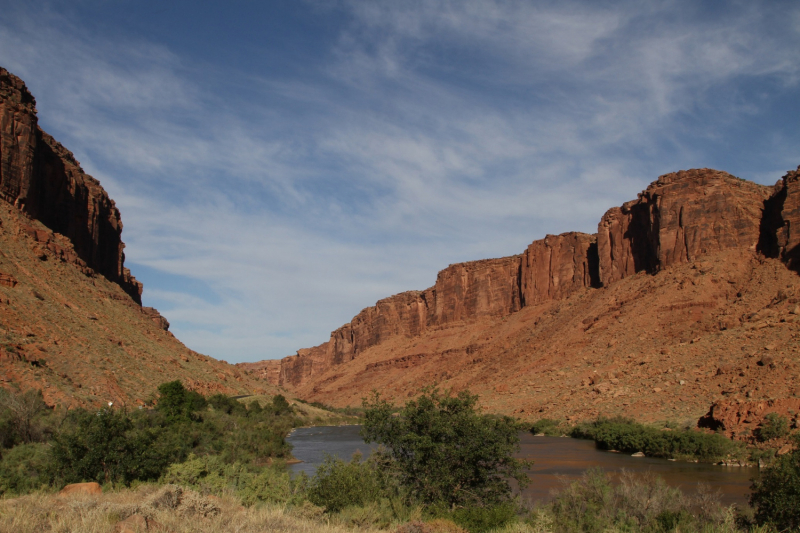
point(656, 347)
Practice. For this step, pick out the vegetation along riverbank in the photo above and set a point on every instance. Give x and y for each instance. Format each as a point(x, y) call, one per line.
point(668, 441)
point(195, 463)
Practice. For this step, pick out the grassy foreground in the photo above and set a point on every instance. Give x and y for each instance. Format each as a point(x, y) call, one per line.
point(191, 512)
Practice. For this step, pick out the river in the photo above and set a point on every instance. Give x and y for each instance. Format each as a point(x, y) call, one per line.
point(555, 459)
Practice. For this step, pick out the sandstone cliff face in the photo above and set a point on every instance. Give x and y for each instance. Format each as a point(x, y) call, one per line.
point(462, 291)
point(43, 179)
point(476, 289)
point(680, 217)
point(787, 204)
point(677, 219)
point(557, 266)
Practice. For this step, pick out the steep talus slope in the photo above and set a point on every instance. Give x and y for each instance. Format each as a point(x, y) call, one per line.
point(661, 313)
point(71, 320)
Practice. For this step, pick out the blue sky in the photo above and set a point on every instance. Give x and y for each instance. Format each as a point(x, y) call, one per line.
point(281, 165)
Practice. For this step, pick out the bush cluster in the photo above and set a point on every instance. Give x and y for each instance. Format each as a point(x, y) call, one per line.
point(637, 503)
point(628, 436)
point(774, 426)
point(48, 447)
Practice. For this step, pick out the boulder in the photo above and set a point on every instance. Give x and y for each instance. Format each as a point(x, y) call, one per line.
point(81, 488)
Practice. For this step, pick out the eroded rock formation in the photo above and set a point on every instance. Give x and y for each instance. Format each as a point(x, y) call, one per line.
point(677, 219)
point(44, 180)
point(680, 217)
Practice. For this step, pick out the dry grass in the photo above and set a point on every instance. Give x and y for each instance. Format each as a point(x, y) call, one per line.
point(177, 510)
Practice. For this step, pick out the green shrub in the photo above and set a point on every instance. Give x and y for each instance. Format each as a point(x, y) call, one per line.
point(104, 446)
point(177, 403)
point(628, 436)
point(482, 519)
point(637, 503)
point(776, 493)
point(338, 484)
point(550, 427)
point(211, 475)
point(25, 468)
point(445, 451)
point(21, 417)
point(774, 426)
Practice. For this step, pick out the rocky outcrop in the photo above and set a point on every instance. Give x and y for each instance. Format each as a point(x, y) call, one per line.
point(465, 291)
point(736, 417)
point(679, 218)
point(558, 265)
point(44, 180)
point(786, 206)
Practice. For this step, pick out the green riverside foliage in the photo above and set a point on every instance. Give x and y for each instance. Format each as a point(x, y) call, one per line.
point(774, 426)
point(338, 484)
point(550, 427)
point(444, 451)
point(177, 403)
point(104, 446)
point(209, 474)
point(112, 445)
point(25, 468)
point(21, 418)
point(776, 494)
point(637, 503)
point(628, 436)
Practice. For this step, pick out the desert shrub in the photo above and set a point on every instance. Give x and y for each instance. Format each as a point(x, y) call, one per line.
point(482, 519)
point(444, 451)
point(211, 475)
point(628, 436)
point(21, 417)
point(550, 427)
point(774, 426)
point(776, 493)
point(227, 405)
point(177, 403)
point(104, 446)
point(280, 406)
point(25, 468)
point(638, 503)
point(338, 484)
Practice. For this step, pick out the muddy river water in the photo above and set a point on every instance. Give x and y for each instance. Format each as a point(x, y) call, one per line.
point(555, 460)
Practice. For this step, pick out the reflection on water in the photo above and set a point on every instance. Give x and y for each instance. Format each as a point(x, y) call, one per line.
point(555, 459)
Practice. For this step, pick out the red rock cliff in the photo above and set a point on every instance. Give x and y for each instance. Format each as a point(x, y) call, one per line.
point(677, 219)
point(558, 265)
point(43, 179)
point(786, 209)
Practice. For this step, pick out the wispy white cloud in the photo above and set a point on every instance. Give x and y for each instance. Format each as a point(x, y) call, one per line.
point(432, 132)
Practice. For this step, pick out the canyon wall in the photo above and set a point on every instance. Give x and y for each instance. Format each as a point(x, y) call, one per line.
point(43, 179)
point(680, 217)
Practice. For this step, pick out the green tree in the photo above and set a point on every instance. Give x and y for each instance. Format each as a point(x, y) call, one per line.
point(280, 406)
point(177, 403)
point(776, 494)
point(19, 414)
point(774, 426)
point(104, 446)
point(445, 451)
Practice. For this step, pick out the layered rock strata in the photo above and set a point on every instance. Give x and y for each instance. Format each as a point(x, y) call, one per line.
point(45, 181)
point(679, 218)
